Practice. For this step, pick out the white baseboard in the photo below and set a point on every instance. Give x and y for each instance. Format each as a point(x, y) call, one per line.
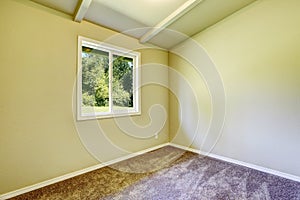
point(73, 174)
point(245, 164)
point(92, 168)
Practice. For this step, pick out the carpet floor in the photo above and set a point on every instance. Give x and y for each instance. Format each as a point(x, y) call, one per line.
point(170, 174)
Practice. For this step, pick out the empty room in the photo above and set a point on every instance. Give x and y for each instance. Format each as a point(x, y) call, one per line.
point(150, 99)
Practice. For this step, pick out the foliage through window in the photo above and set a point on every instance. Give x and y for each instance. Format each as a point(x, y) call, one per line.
point(108, 82)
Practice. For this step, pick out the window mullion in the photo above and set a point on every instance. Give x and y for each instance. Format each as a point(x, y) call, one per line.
point(110, 82)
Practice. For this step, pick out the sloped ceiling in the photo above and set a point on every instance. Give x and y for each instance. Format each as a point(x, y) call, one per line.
point(138, 18)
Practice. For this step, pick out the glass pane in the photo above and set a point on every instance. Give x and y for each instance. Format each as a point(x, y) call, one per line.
point(122, 83)
point(95, 81)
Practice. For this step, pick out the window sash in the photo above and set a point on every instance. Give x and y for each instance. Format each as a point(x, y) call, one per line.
point(112, 50)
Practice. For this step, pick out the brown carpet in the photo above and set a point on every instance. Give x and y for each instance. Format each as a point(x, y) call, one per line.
point(170, 173)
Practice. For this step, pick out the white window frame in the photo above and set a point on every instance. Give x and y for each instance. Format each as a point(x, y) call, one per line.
point(112, 50)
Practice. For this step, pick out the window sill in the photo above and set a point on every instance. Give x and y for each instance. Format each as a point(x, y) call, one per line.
point(107, 116)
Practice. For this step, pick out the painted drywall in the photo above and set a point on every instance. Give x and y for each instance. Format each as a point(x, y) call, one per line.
point(189, 102)
point(39, 137)
point(256, 52)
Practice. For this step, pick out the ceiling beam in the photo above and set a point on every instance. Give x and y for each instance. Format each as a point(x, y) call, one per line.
point(183, 9)
point(81, 10)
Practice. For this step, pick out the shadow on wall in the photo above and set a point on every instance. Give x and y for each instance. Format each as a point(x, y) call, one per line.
point(191, 107)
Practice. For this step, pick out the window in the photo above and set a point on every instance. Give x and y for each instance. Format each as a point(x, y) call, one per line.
point(108, 80)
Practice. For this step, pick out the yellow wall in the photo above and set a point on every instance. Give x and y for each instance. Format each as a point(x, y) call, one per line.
point(38, 134)
point(189, 101)
point(257, 54)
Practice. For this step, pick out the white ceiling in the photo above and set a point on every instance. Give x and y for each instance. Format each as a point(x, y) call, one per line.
point(137, 17)
point(147, 12)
